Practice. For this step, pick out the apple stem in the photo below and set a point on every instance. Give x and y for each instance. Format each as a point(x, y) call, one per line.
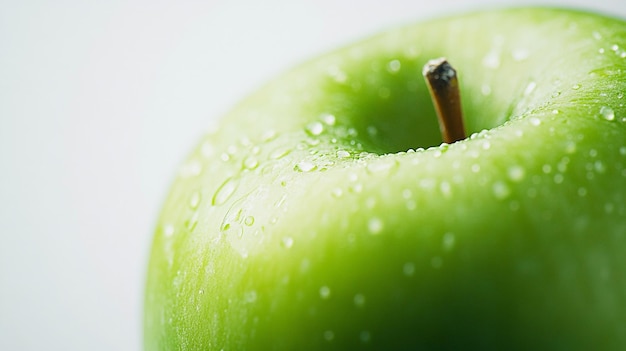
point(443, 85)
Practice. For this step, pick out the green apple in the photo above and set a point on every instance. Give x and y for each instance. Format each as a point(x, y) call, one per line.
point(325, 213)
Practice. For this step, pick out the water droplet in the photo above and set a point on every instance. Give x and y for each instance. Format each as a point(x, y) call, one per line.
point(408, 269)
point(492, 59)
point(365, 336)
point(620, 95)
point(446, 189)
point(555, 112)
point(547, 169)
point(325, 292)
point(328, 119)
point(530, 88)
point(436, 262)
point(593, 152)
point(485, 89)
point(558, 178)
point(192, 222)
point(250, 162)
point(280, 152)
point(356, 188)
point(534, 121)
point(207, 150)
point(337, 192)
point(192, 168)
point(381, 167)
point(500, 190)
point(305, 166)
point(570, 147)
point(200, 292)
point(516, 173)
point(287, 242)
point(596, 35)
point(520, 54)
point(194, 200)
point(268, 135)
point(486, 145)
point(375, 225)
point(601, 50)
point(475, 168)
point(576, 86)
point(622, 150)
point(343, 154)
point(607, 113)
point(250, 296)
point(448, 242)
point(168, 230)
point(337, 74)
point(249, 220)
point(329, 335)
point(315, 128)
point(384, 92)
point(225, 191)
point(411, 205)
point(599, 166)
point(394, 66)
point(359, 300)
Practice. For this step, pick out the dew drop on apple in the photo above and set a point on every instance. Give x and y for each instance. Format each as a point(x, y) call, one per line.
point(394, 66)
point(287, 242)
point(325, 292)
point(436, 262)
point(558, 178)
point(576, 86)
point(622, 150)
point(485, 89)
point(343, 154)
point(375, 225)
point(305, 166)
point(520, 54)
point(607, 113)
point(225, 191)
point(249, 221)
point(192, 168)
point(250, 162)
point(448, 241)
point(191, 223)
point(365, 336)
point(408, 269)
point(446, 189)
point(516, 173)
point(280, 152)
point(359, 300)
point(530, 88)
point(194, 200)
point(599, 166)
point(168, 230)
point(500, 190)
point(534, 121)
point(314, 128)
point(329, 119)
point(250, 296)
point(329, 335)
point(381, 167)
point(337, 192)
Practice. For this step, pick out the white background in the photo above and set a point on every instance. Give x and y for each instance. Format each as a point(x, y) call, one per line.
point(99, 102)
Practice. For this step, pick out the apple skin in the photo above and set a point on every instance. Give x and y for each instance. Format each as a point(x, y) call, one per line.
point(325, 215)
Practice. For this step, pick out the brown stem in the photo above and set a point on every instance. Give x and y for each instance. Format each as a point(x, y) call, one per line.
point(443, 85)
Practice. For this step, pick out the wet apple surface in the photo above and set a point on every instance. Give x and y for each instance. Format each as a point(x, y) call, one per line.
point(325, 213)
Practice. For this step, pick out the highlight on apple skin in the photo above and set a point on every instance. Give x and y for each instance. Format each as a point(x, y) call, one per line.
point(325, 213)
